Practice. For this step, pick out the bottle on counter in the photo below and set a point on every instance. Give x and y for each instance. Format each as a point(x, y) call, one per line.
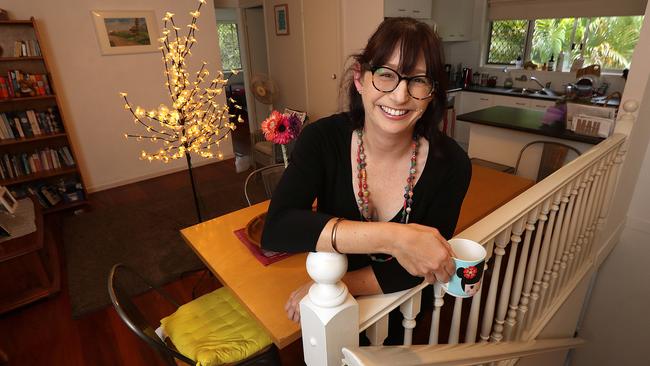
point(551, 64)
point(519, 63)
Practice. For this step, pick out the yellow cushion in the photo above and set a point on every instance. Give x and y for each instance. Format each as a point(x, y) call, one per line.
point(215, 329)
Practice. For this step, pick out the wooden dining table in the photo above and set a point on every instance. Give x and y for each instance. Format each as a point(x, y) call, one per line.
point(264, 290)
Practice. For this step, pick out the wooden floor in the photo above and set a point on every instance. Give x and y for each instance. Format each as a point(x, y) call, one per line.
point(44, 333)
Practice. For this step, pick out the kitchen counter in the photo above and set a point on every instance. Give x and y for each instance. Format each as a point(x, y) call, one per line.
point(516, 92)
point(525, 120)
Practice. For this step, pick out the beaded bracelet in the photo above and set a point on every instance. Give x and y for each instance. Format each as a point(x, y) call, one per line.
point(334, 228)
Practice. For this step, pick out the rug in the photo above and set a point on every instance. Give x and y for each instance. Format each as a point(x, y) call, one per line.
point(144, 236)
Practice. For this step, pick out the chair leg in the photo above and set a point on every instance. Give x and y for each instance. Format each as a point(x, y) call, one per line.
point(206, 274)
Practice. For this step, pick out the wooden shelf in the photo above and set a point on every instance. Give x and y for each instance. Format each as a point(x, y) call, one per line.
point(31, 148)
point(65, 206)
point(28, 99)
point(22, 58)
point(9, 142)
point(33, 255)
point(39, 175)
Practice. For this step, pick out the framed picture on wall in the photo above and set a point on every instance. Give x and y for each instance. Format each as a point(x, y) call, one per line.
point(281, 19)
point(124, 32)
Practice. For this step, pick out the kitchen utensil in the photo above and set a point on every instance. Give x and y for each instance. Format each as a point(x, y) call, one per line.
point(467, 77)
point(484, 78)
point(589, 70)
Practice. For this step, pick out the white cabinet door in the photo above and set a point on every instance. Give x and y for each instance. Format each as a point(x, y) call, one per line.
point(474, 101)
point(396, 8)
point(512, 101)
point(541, 105)
point(453, 19)
point(419, 9)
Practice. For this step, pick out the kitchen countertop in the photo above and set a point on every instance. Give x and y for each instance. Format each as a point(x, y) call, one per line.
point(508, 92)
point(525, 120)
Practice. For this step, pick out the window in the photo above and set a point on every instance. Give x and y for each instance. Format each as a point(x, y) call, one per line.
point(607, 41)
point(229, 45)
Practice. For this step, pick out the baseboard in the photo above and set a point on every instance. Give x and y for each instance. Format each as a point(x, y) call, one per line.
point(122, 182)
point(638, 224)
point(609, 244)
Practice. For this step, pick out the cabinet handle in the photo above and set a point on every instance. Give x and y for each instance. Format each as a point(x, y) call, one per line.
point(540, 106)
point(519, 103)
point(401, 9)
point(461, 35)
point(416, 11)
point(484, 99)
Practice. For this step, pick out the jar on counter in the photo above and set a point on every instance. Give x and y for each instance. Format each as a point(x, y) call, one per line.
point(484, 79)
point(476, 78)
point(492, 81)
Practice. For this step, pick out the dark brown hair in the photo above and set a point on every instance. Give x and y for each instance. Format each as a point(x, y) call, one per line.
point(413, 38)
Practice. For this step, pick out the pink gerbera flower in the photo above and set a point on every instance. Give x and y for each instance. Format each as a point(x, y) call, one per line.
point(280, 128)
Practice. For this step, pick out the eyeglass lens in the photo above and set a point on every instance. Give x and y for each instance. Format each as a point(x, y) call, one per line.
point(386, 80)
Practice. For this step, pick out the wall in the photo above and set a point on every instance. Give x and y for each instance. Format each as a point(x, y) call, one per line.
point(89, 83)
point(616, 319)
point(286, 56)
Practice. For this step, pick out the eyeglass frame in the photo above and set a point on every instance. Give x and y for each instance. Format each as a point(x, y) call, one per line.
point(372, 69)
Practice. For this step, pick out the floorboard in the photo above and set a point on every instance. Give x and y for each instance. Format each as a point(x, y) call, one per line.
point(44, 332)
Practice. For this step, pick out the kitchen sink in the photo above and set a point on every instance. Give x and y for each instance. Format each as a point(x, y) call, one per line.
point(526, 91)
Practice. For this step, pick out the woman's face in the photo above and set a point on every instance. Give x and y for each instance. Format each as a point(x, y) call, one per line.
point(393, 112)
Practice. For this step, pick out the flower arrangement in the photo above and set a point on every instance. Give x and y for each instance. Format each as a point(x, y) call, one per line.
point(282, 128)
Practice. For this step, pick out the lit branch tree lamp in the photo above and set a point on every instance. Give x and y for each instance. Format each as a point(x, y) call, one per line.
point(195, 122)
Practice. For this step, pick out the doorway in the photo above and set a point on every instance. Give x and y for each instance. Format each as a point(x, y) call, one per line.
point(242, 42)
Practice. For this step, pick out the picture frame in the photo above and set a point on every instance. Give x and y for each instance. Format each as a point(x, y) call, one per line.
point(281, 19)
point(126, 32)
point(7, 200)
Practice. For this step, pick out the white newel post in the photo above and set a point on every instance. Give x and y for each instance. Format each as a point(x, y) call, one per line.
point(329, 315)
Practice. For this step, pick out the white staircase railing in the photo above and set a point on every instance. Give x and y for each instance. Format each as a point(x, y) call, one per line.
point(540, 245)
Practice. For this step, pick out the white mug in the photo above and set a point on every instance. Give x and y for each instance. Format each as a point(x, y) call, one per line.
point(470, 261)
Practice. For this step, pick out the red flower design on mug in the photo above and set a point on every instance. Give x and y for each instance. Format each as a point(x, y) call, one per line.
point(470, 272)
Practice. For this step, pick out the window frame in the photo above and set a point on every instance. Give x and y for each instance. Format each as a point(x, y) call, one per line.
point(527, 49)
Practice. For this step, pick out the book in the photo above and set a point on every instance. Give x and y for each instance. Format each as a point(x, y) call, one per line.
point(33, 121)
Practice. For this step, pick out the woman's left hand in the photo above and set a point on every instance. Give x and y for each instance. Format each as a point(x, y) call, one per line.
point(292, 307)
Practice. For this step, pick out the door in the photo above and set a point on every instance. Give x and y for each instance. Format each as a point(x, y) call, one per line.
point(322, 42)
point(257, 60)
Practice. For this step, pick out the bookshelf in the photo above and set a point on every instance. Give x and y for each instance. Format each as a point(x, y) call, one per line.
point(36, 156)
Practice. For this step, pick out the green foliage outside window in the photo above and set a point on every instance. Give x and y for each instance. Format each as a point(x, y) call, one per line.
point(229, 45)
point(607, 41)
point(507, 41)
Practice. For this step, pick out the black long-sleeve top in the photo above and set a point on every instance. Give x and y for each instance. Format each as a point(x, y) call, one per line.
point(320, 168)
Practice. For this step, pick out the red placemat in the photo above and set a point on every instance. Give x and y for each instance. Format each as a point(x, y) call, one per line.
point(265, 257)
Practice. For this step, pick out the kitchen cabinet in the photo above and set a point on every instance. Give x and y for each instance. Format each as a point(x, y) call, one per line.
point(517, 102)
point(418, 9)
point(474, 101)
point(468, 102)
point(453, 19)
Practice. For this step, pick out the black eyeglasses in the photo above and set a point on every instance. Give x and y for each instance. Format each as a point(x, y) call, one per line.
point(385, 80)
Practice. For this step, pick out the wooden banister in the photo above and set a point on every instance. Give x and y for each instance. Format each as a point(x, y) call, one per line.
point(450, 355)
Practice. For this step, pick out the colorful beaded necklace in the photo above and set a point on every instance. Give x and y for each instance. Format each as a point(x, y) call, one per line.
point(364, 194)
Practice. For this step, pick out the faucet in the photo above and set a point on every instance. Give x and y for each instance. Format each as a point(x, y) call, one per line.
point(537, 81)
point(546, 89)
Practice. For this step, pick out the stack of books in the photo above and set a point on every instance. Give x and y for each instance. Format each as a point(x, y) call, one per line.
point(19, 84)
point(17, 165)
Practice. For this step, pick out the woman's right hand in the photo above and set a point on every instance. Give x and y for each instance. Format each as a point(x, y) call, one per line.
point(423, 252)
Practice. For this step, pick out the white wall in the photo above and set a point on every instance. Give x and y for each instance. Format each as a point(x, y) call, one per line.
point(617, 319)
point(88, 82)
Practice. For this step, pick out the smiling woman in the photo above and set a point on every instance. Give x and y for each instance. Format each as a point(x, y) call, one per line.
point(386, 143)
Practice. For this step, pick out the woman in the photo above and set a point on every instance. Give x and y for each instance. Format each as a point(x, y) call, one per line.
point(389, 185)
